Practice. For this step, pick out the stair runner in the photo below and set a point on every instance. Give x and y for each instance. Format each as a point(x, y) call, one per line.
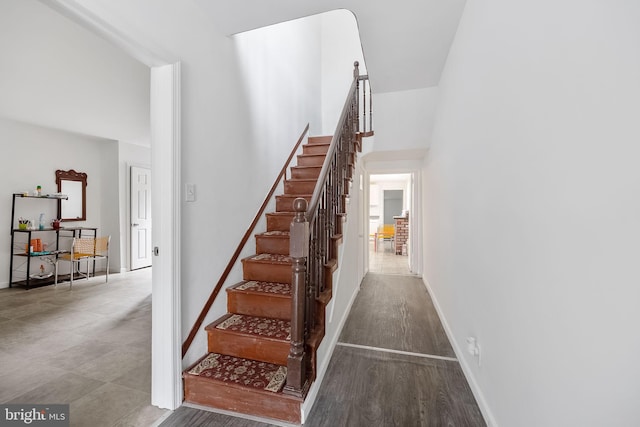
point(245, 368)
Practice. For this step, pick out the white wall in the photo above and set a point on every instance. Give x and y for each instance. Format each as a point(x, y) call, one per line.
point(236, 133)
point(404, 120)
point(340, 49)
point(531, 209)
point(57, 74)
point(276, 88)
point(280, 85)
point(31, 155)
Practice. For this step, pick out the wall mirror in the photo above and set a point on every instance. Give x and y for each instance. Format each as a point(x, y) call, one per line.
point(74, 185)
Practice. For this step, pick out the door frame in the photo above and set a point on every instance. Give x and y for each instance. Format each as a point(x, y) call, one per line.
point(166, 335)
point(415, 210)
point(166, 357)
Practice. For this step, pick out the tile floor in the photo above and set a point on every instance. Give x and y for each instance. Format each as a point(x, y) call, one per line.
point(385, 261)
point(89, 347)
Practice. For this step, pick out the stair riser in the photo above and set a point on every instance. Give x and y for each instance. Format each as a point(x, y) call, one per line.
point(248, 347)
point(320, 139)
point(264, 272)
point(313, 160)
point(262, 404)
point(299, 187)
point(272, 245)
point(259, 305)
point(279, 222)
point(285, 203)
point(305, 173)
point(315, 149)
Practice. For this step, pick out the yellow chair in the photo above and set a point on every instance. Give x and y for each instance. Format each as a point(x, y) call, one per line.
point(85, 249)
point(385, 232)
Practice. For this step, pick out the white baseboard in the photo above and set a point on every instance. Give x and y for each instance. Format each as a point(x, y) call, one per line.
point(466, 370)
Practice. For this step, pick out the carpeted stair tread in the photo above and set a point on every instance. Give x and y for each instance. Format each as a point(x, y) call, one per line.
point(270, 258)
point(242, 372)
point(264, 327)
point(260, 287)
point(275, 233)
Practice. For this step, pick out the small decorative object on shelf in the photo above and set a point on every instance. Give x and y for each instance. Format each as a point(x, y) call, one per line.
point(39, 190)
point(55, 223)
point(23, 223)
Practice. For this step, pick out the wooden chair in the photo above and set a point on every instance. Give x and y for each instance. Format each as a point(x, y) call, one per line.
point(85, 249)
point(386, 232)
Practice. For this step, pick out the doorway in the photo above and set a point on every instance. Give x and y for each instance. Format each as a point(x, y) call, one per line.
point(140, 225)
point(389, 202)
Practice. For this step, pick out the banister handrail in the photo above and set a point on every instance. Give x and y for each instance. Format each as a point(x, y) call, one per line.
point(315, 198)
point(316, 230)
point(236, 254)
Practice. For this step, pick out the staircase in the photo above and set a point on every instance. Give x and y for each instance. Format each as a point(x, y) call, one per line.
point(245, 369)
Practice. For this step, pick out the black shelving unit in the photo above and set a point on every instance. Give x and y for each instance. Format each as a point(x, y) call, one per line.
point(51, 252)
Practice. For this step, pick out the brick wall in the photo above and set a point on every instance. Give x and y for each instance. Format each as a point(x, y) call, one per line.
point(402, 233)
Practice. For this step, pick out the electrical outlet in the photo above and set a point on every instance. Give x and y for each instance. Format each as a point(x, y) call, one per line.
point(473, 348)
point(190, 193)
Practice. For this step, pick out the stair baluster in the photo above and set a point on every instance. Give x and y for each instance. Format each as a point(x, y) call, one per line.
point(320, 232)
point(297, 382)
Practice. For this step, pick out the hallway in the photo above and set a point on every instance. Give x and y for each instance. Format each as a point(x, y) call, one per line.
point(393, 365)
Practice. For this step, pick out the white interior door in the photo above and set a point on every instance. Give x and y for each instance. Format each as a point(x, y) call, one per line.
point(140, 217)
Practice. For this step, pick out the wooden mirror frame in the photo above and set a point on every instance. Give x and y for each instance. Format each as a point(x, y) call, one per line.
point(72, 175)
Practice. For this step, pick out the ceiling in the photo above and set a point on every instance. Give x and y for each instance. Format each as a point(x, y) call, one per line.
point(405, 44)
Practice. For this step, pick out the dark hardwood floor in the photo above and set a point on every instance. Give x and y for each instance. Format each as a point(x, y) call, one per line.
point(372, 388)
point(396, 312)
point(371, 380)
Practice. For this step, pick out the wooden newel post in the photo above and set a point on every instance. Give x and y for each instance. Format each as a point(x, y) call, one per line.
point(356, 70)
point(298, 251)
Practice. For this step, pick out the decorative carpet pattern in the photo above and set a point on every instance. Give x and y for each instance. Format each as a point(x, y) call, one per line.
point(266, 287)
point(261, 326)
point(273, 258)
point(276, 233)
point(249, 373)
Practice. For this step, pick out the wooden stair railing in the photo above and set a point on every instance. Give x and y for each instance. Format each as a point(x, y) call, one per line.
point(241, 245)
point(316, 226)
